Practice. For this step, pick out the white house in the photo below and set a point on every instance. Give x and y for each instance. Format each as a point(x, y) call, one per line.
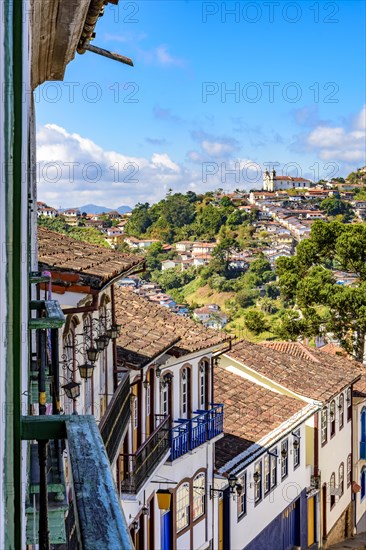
point(264, 448)
point(211, 316)
point(168, 449)
point(314, 378)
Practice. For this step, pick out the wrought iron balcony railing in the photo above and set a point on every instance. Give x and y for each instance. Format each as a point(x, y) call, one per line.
point(192, 433)
point(143, 463)
point(114, 422)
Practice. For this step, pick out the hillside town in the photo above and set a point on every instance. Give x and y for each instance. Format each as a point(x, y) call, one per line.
point(188, 374)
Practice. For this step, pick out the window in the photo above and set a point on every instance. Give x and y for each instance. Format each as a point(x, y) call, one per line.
point(324, 426)
point(363, 483)
point(332, 417)
point(284, 459)
point(341, 410)
point(274, 467)
point(184, 392)
point(257, 481)
point(242, 498)
point(349, 404)
point(199, 492)
point(182, 503)
point(332, 490)
point(267, 474)
point(349, 470)
point(363, 425)
point(341, 479)
point(135, 413)
point(202, 384)
point(148, 400)
point(165, 399)
point(296, 446)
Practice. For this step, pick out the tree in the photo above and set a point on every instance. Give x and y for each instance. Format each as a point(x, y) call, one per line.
point(139, 221)
point(255, 321)
point(246, 297)
point(224, 249)
point(308, 280)
point(334, 207)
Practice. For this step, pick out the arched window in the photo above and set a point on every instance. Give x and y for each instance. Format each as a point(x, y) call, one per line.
point(341, 478)
point(182, 506)
point(199, 493)
point(165, 399)
point(332, 490)
point(363, 425)
point(349, 470)
point(363, 483)
point(341, 410)
point(324, 426)
point(184, 392)
point(332, 415)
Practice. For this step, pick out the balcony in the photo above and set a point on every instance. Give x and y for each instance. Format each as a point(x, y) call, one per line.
point(143, 463)
point(114, 422)
point(362, 450)
point(190, 434)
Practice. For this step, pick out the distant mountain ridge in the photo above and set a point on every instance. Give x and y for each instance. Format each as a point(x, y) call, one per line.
point(95, 209)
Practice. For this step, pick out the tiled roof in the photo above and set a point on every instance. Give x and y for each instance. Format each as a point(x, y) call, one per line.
point(359, 388)
point(149, 329)
point(319, 378)
point(96, 265)
point(251, 413)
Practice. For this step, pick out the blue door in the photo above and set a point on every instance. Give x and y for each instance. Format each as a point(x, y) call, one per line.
point(166, 531)
point(291, 525)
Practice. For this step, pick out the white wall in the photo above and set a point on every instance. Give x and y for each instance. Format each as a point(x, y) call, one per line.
point(260, 515)
point(358, 463)
point(331, 455)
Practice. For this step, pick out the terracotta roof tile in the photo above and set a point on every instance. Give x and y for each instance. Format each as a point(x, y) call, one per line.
point(305, 371)
point(251, 413)
point(149, 329)
point(95, 264)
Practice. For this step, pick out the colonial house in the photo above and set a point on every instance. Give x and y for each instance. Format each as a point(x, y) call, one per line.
point(114, 236)
point(211, 316)
point(264, 452)
point(168, 450)
point(272, 182)
point(82, 277)
point(184, 246)
point(202, 249)
point(44, 210)
point(312, 377)
point(38, 40)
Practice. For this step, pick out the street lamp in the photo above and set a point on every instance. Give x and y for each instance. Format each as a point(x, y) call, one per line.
point(72, 390)
point(86, 370)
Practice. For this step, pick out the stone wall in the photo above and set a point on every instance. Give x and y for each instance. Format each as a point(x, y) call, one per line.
point(342, 529)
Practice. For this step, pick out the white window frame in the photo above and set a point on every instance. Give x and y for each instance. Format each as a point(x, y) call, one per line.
point(349, 469)
point(199, 495)
point(324, 426)
point(182, 506)
point(202, 386)
point(242, 498)
point(267, 473)
point(184, 392)
point(341, 410)
point(258, 484)
point(284, 459)
point(296, 452)
point(273, 467)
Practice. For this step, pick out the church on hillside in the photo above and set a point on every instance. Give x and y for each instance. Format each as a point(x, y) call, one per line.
point(272, 182)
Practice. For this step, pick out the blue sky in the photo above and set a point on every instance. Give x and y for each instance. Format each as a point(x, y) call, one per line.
point(297, 75)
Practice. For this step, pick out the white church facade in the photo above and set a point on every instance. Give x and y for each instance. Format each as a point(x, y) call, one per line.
point(272, 182)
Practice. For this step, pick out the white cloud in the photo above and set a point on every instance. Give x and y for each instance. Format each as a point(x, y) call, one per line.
point(337, 143)
point(161, 56)
point(73, 170)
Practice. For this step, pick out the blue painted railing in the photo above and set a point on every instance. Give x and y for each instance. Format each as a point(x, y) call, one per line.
point(189, 434)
